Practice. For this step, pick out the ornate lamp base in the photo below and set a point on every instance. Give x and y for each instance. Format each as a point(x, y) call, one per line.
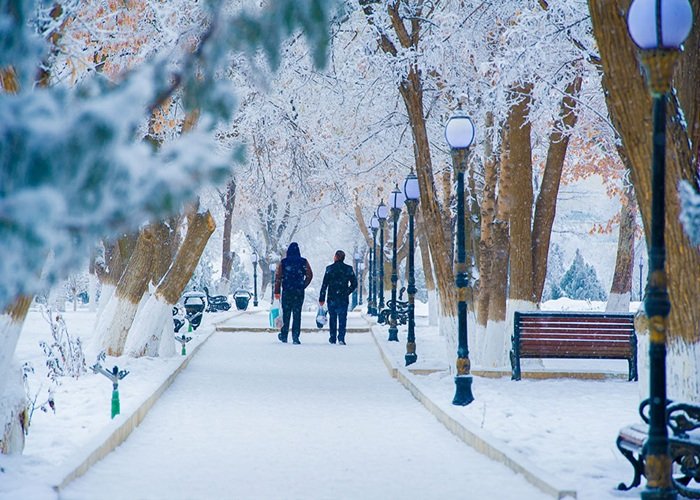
point(463, 393)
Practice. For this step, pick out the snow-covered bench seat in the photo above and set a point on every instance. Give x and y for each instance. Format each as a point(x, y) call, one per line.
point(684, 446)
point(573, 335)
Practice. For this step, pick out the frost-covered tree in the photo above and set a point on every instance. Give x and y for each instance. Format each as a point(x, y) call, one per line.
point(555, 271)
point(580, 281)
point(73, 167)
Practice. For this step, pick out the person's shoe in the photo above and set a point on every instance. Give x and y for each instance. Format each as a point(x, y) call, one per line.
point(341, 342)
point(296, 341)
point(282, 338)
point(331, 340)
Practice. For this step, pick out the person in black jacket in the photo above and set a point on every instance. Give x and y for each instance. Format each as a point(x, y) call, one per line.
point(293, 275)
point(340, 281)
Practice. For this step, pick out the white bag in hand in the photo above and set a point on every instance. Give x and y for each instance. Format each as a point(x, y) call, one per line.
point(321, 316)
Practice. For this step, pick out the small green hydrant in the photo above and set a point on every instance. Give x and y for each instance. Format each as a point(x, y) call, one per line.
point(115, 376)
point(183, 341)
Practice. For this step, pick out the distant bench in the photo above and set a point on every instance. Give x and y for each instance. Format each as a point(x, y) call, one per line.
point(574, 335)
point(683, 420)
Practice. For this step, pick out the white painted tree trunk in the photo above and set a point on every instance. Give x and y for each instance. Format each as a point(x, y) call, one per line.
point(13, 402)
point(448, 329)
point(618, 302)
point(682, 371)
point(113, 326)
point(105, 297)
point(92, 292)
point(147, 328)
point(433, 308)
point(168, 345)
point(497, 344)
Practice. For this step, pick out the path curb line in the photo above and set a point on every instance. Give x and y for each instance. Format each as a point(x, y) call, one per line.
point(90, 454)
point(477, 438)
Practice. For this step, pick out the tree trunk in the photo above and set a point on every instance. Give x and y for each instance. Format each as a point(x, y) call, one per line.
point(229, 201)
point(546, 205)
point(621, 288)
point(167, 242)
point(433, 314)
point(154, 318)
point(13, 404)
point(629, 106)
point(116, 320)
point(520, 159)
point(494, 343)
point(488, 214)
point(412, 94)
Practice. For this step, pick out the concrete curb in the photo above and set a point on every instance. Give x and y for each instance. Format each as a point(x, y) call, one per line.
point(116, 433)
point(475, 437)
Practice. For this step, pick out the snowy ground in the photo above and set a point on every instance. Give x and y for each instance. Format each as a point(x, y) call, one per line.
point(82, 405)
point(253, 418)
point(565, 427)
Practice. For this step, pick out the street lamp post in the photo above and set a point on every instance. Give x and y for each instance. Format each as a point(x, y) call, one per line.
point(357, 269)
point(459, 133)
point(360, 269)
point(254, 260)
point(273, 268)
point(412, 193)
point(397, 200)
point(382, 213)
point(659, 28)
point(372, 278)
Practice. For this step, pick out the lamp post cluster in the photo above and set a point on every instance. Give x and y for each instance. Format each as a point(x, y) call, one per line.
point(375, 301)
point(658, 28)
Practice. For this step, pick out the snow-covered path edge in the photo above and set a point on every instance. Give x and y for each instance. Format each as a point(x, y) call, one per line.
point(119, 429)
point(477, 438)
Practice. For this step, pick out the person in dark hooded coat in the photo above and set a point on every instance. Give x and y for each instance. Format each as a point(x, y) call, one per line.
point(293, 275)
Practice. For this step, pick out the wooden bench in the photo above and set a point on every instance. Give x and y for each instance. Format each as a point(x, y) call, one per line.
point(573, 335)
point(684, 446)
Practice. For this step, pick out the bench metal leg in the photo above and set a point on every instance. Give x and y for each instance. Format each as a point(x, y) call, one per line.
point(637, 463)
point(515, 366)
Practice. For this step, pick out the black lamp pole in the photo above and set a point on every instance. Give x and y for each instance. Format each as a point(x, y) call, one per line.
point(255, 280)
point(660, 42)
point(381, 215)
point(360, 283)
point(372, 278)
point(641, 270)
point(411, 192)
point(396, 203)
point(459, 133)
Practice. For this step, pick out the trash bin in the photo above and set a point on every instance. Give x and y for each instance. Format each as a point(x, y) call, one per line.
point(194, 302)
point(242, 298)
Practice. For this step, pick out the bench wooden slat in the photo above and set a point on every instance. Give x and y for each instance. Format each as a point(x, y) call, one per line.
point(574, 335)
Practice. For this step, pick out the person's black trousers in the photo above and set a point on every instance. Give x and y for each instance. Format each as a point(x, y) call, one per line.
point(292, 300)
point(338, 318)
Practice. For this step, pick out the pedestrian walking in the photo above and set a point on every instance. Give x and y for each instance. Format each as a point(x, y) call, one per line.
point(293, 275)
point(340, 281)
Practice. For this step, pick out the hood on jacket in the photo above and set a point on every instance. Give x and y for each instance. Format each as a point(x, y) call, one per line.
point(293, 250)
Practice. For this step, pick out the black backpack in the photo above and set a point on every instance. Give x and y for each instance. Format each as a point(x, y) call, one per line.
point(293, 273)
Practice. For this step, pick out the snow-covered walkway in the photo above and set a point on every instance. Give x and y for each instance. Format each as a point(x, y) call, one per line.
point(253, 418)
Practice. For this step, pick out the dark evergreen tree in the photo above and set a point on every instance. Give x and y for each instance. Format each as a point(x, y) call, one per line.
point(580, 281)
